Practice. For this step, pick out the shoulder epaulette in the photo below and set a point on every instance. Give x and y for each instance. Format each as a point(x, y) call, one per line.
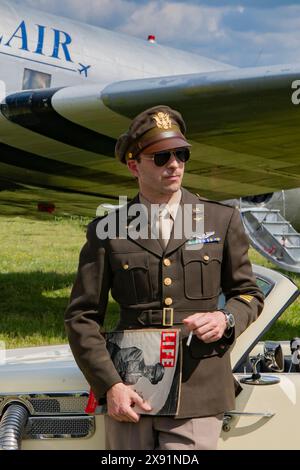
point(220, 203)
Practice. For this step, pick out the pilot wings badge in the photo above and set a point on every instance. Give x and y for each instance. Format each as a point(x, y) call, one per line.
point(163, 120)
point(196, 242)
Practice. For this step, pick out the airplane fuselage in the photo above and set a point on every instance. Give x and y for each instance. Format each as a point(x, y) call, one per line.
point(39, 51)
point(73, 53)
point(69, 89)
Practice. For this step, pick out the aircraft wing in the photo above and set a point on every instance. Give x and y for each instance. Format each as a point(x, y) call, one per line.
point(242, 123)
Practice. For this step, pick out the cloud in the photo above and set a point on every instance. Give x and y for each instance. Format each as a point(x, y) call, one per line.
point(261, 37)
point(106, 13)
point(240, 32)
point(171, 22)
point(256, 4)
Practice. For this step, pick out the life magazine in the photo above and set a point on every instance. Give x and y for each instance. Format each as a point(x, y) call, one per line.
point(149, 361)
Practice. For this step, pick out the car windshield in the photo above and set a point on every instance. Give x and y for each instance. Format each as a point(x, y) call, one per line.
point(264, 285)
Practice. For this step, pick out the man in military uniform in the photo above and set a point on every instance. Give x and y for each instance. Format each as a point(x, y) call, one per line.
point(131, 366)
point(169, 282)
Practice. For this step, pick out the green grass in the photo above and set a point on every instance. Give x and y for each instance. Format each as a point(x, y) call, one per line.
point(288, 325)
point(38, 262)
point(24, 201)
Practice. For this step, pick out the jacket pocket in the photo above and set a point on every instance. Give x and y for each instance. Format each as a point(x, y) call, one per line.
point(200, 350)
point(202, 272)
point(132, 282)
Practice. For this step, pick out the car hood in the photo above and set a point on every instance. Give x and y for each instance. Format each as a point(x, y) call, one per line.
point(42, 354)
point(41, 369)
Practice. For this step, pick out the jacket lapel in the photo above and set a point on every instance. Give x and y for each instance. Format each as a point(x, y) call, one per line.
point(149, 244)
point(183, 229)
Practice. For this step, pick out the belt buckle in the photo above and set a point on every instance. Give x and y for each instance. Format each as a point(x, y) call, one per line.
point(168, 311)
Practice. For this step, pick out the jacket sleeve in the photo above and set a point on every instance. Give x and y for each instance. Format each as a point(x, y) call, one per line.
point(85, 314)
point(243, 297)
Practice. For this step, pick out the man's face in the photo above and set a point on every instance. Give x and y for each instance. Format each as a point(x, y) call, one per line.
point(157, 180)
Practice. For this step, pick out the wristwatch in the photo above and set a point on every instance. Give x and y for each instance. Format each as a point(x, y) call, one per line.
point(230, 321)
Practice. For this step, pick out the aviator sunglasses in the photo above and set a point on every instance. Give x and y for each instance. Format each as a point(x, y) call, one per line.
point(161, 158)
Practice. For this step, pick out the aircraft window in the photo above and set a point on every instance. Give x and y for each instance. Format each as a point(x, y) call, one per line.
point(33, 79)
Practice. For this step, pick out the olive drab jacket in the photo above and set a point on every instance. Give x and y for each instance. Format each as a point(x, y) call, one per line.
point(152, 285)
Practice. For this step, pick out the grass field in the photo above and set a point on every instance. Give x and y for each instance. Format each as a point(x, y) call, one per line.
point(38, 263)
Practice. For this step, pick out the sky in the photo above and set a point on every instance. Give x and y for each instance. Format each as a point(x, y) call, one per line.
point(245, 33)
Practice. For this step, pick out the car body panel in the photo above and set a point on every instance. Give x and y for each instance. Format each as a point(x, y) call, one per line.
point(256, 432)
point(50, 373)
point(282, 291)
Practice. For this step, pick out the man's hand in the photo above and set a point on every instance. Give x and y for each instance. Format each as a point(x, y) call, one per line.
point(121, 399)
point(207, 326)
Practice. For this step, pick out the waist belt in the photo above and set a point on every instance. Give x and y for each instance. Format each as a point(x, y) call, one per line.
point(164, 317)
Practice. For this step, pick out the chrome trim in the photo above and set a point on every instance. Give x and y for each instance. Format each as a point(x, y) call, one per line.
point(48, 403)
point(266, 414)
point(42, 394)
point(230, 415)
point(244, 356)
point(260, 380)
point(256, 378)
point(53, 415)
point(273, 356)
point(48, 422)
point(15, 399)
point(12, 425)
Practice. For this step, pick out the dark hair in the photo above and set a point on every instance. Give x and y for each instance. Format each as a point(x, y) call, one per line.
point(158, 373)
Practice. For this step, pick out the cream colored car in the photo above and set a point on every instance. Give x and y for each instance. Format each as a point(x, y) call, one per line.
point(43, 394)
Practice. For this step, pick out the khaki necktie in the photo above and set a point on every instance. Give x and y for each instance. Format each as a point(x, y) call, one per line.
point(165, 226)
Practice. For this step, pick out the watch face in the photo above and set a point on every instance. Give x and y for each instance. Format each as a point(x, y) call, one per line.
point(230, 319)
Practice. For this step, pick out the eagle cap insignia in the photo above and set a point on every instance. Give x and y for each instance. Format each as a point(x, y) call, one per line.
point(162, 120)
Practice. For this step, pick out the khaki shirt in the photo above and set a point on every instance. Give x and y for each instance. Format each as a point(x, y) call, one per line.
point(163, 226)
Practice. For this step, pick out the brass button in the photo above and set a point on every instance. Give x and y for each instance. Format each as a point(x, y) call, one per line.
point(125, 266)
point(167, 281)
point(167, 262)
point(206, 257)
point(168, 301)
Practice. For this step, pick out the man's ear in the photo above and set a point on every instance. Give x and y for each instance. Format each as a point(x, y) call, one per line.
point(133, 167)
